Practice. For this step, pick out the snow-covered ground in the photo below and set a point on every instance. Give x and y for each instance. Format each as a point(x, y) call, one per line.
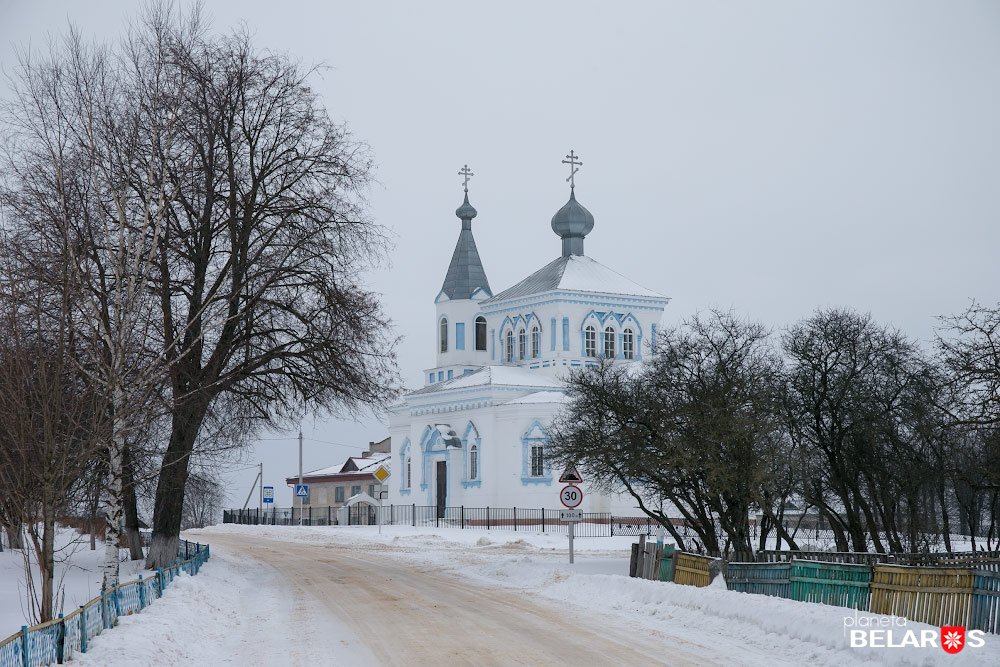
point(243, 610)
point(77, 578)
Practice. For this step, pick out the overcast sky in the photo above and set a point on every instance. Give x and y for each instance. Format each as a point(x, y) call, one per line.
point(771, 157)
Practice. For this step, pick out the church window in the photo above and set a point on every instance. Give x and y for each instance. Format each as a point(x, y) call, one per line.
point(609, 343)
point(473, 462)
point(590, 342)
point(628, 344)
point(509, 344)
point(536, 342)
point(481, 334)
point(444, 334)
point(522, 342)
point(537, 461)
point(409, 472)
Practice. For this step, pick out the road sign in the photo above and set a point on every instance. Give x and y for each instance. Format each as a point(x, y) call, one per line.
point(268, 494)
point(570, 516)
point(302, 490)
point(571, 496)
point(382, 474)
point(571, 476)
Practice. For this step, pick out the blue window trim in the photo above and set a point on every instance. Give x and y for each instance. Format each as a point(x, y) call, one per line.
point(451, 375)
point(526, 444)
point(459, 335)
point(565, 334)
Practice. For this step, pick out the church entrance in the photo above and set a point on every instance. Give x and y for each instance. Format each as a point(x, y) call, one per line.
point(442, 487)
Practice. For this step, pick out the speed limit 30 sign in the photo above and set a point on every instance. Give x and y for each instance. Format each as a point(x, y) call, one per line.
point(571, 496)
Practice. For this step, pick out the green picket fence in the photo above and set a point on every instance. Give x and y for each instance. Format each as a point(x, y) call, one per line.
point(56, 641)
point(759, 578)
point(837, 584)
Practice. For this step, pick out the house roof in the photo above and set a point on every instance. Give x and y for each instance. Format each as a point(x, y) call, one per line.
point(493, 375)
point(575, 273)
point(353, 466)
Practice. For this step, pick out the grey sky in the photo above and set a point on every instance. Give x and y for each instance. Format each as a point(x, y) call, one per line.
point(771, 157)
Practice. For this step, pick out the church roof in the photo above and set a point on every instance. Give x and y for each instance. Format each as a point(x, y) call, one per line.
point(575, 273)
point(493, 375)
point(465, 273)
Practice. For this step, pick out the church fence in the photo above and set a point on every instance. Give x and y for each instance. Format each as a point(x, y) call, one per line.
point(527, 519)
point(56, 641)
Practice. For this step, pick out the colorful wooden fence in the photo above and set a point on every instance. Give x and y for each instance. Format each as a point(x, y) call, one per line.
point(985, 613)
point(838, 584)
point(760, 578)
point(934, 595)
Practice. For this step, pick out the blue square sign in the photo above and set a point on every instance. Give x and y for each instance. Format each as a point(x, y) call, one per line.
point(301, 490)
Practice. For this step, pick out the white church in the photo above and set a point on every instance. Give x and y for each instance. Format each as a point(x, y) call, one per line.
point(476, 433)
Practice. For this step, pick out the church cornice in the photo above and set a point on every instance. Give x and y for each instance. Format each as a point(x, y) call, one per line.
point(594, 300)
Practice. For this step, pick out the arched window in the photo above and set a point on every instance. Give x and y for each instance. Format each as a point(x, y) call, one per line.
point(628, 344)
point(590, 341)
point(481, 333)
point(537, 460)
point(444, 334)
point(473, 462)
point(536, 342)
point(509, 356)
point(609, 343)
point(409, 478)
point(522, 342)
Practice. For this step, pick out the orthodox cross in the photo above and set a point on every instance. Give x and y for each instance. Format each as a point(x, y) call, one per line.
point(574, 163)
point(466, 174)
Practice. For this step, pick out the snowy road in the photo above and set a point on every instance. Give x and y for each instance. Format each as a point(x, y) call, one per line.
point(407, 615)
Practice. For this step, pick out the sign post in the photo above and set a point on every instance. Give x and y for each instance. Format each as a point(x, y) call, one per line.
point(381, 474)
point(571, 496)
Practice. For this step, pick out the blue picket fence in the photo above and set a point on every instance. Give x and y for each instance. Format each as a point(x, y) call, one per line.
point(986, 601)
point(58, 640)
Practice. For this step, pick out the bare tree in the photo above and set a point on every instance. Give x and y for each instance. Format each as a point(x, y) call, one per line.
point(969, 344)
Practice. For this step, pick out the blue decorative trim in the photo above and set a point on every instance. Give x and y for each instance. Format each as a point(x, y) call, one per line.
point(472, 484)
point(565, 334)
point(404, 492)
point(553, 342)
point(459, 335)
point(547, 481)
point(527, 442)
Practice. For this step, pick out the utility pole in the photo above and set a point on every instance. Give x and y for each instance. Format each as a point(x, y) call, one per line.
point(300, 475)
point(260, 499)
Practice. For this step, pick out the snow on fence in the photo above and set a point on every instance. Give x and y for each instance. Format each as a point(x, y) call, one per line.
point(56, 641)
point(594, 524)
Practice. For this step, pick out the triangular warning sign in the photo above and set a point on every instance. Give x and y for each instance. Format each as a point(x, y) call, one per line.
point(571, 476)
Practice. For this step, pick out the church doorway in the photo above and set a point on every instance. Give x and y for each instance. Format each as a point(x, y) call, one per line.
point(442, 487)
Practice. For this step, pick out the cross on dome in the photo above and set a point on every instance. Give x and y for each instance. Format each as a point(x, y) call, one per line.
point(574, 163)
point(466, 174)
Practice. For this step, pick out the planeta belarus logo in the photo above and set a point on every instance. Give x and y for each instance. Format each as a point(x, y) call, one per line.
point(952, 638)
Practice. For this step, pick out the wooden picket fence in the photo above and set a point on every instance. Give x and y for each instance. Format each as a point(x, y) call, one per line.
point(759, 578)
point(934, 595)
point(837, 584)
point(665, 564)
point(985, 614)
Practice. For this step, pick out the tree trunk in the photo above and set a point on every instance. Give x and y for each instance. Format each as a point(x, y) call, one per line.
point(112, 533)
point(168, 509)
point(15, 536)
point(132, 533)
point(46, 565)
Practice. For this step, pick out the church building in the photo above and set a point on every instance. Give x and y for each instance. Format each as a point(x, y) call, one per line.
point(475, 434)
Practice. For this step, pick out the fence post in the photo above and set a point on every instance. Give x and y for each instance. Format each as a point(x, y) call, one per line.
point(437, 519)
point(60, 640)
point(463, 516)
point(543, 519)
point(24, 646)
point(329, 515)
point(310, 515)
point(160, 583)
point(413, 513)
point(83, 629)
point(611, 522)
point(487, 518)
point(142, 594)
point(185, 549)
point(515, 519)
point(104, 610)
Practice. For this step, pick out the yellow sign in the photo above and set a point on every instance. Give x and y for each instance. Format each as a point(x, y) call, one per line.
point(382, 474)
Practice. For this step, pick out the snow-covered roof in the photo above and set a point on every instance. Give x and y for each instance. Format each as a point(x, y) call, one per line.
point(540, 397)
point(354, 465)
point(494, 375)
point(575, 273)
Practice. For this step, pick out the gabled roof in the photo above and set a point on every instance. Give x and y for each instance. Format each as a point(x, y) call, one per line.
point(354, 465)
point(575, 273)
point(493, 375)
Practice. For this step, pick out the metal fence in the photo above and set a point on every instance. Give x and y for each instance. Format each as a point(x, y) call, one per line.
point(56, 641)
point(539, 520)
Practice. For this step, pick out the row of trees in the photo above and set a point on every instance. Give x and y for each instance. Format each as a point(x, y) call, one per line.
point(183, 233)
point(894, 448)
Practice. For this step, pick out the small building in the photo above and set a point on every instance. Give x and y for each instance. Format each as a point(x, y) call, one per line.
point(330, 488)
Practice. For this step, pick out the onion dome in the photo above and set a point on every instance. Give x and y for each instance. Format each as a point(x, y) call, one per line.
point(572, 223)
